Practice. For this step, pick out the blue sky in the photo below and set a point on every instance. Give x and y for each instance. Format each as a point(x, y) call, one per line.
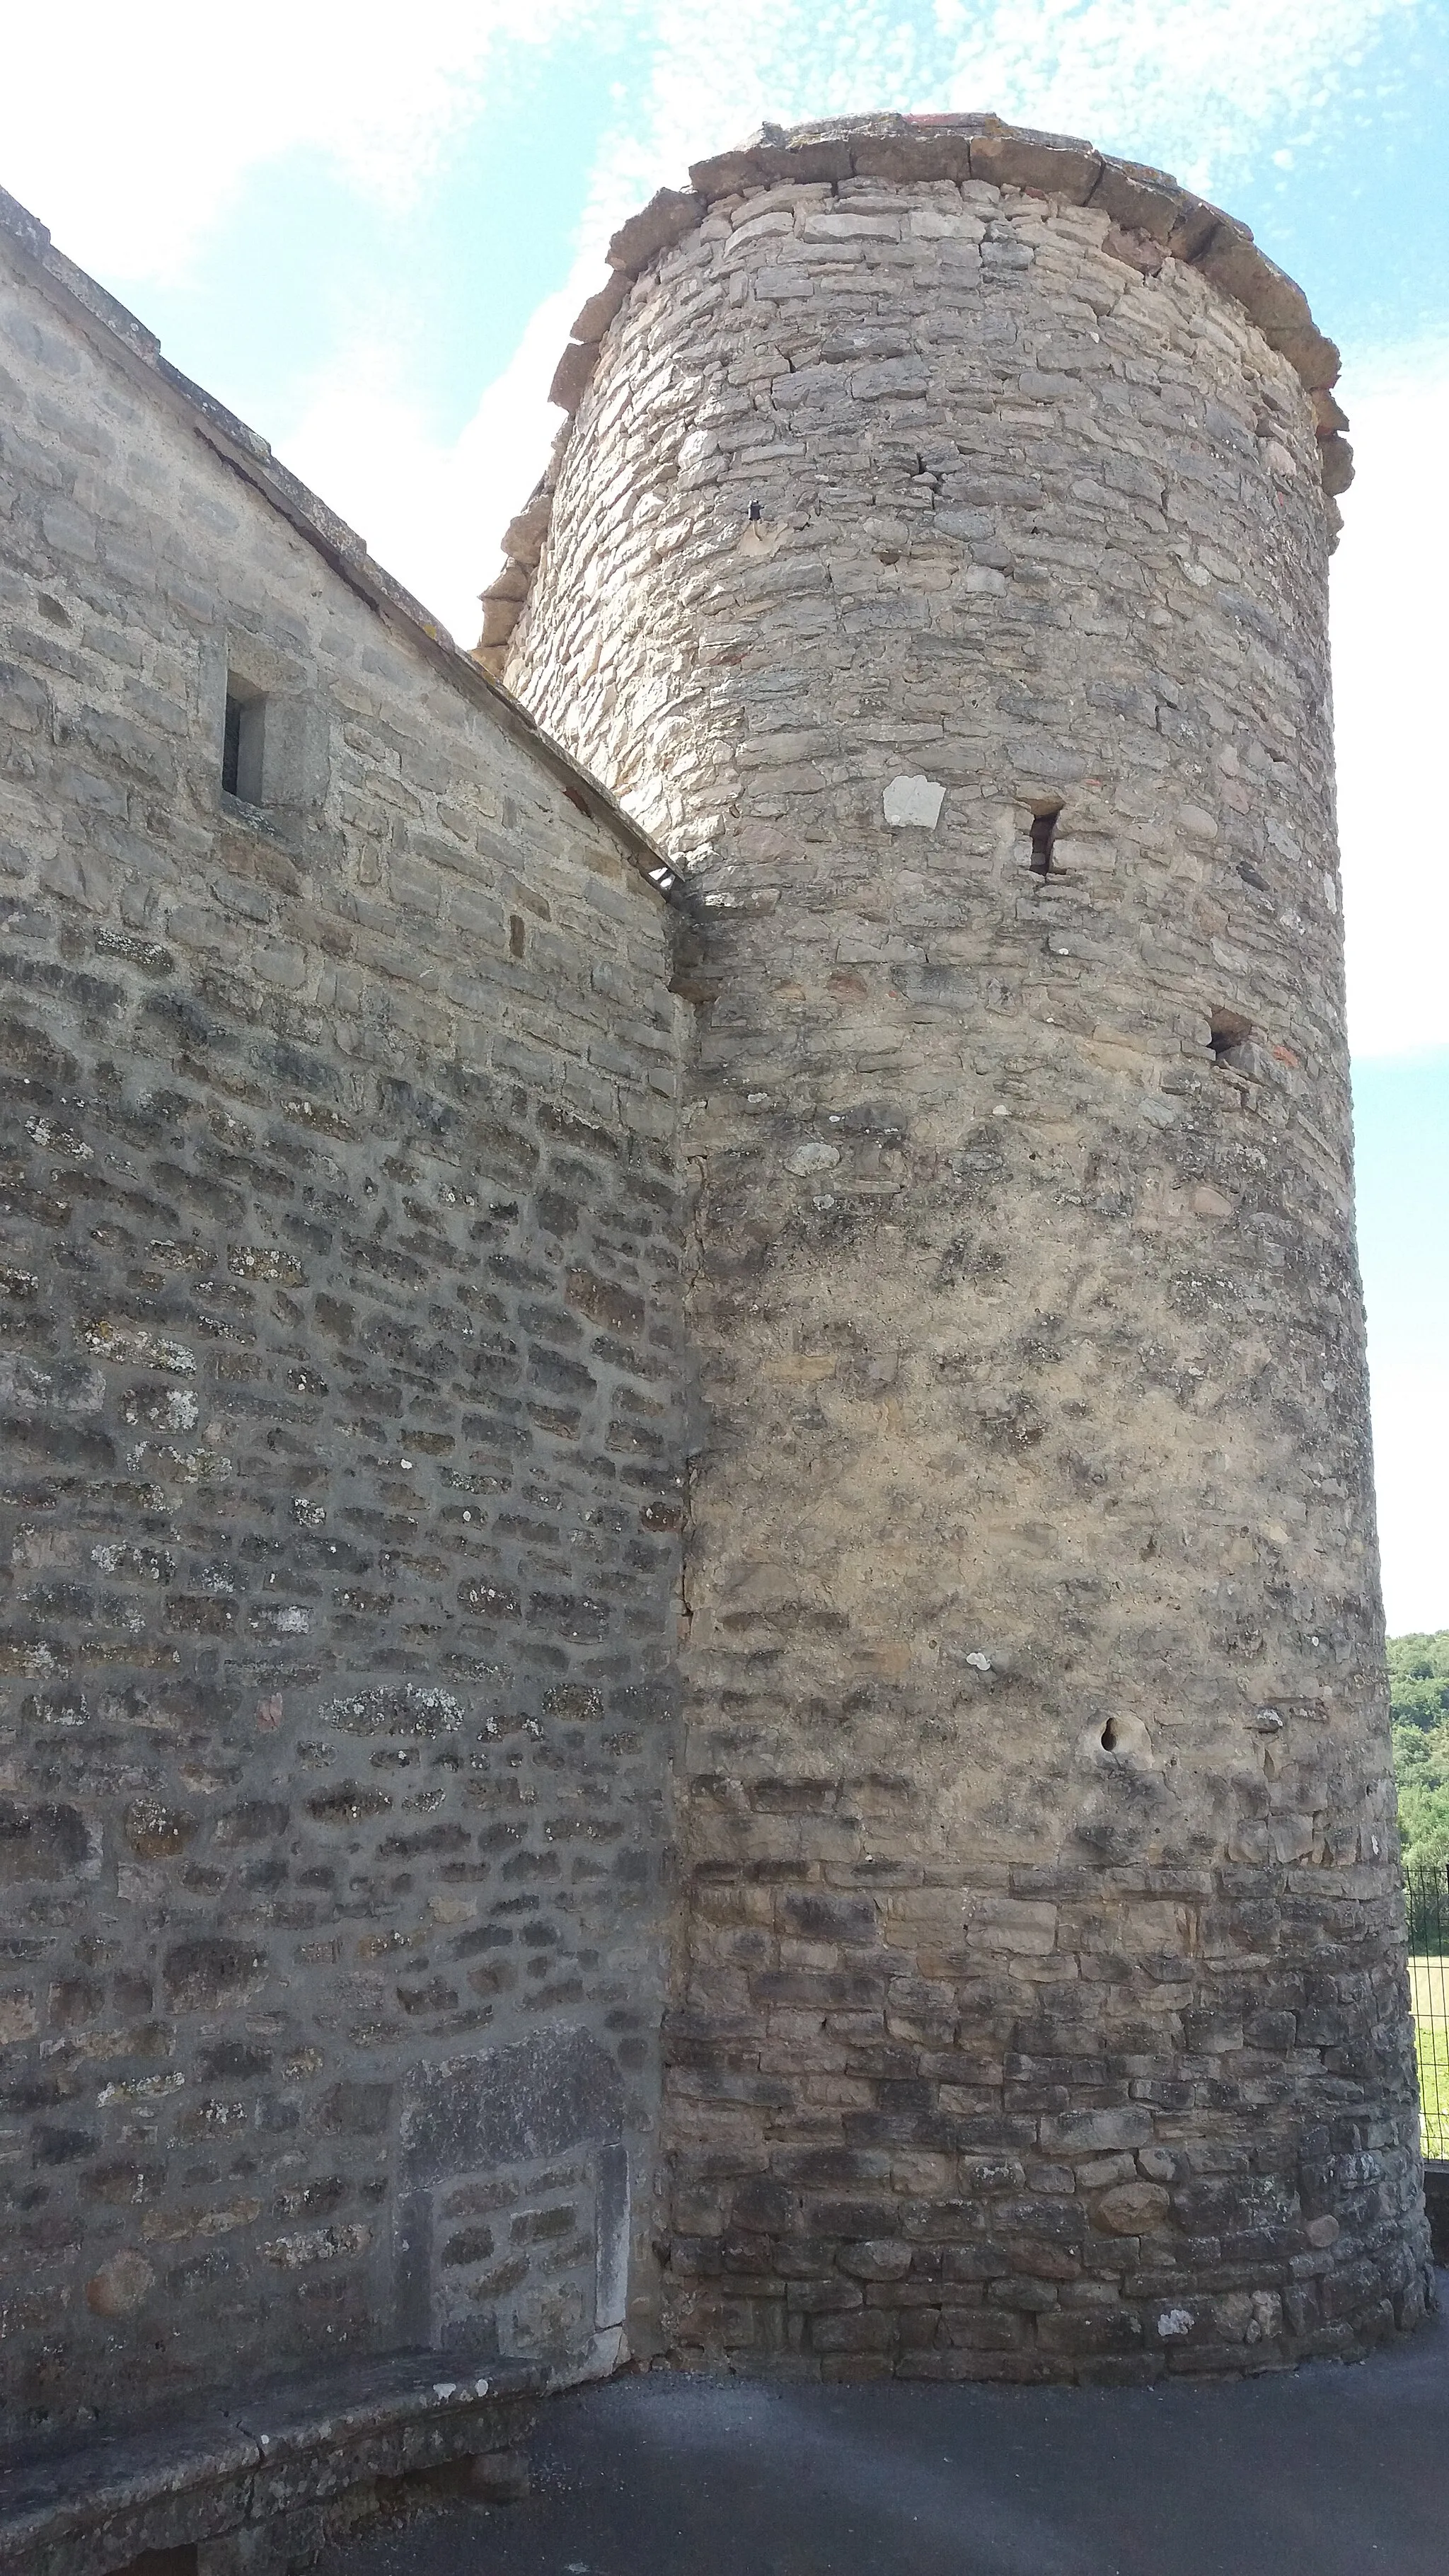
point(367, 229)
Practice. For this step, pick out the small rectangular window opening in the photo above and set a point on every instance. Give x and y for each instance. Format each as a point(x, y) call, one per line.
point(1043, 840)
point(241, 741)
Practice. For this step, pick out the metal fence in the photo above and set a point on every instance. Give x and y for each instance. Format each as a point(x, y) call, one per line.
point(1427, 1890)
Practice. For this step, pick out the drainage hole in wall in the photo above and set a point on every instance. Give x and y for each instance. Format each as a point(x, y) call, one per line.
point(1228, 1030)
point(1043, 840)
point(1109, 1736)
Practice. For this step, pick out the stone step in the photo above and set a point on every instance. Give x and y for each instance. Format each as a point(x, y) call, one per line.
point(253, 2481)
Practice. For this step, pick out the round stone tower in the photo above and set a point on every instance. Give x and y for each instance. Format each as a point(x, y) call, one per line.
point(936, 562)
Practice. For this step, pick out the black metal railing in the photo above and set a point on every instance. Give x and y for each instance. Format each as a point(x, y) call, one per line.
point(1426, 1887)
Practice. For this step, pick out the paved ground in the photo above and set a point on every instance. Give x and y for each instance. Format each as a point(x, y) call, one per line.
point(1330, 2472)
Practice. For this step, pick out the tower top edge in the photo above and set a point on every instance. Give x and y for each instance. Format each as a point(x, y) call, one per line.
point(1152, 218)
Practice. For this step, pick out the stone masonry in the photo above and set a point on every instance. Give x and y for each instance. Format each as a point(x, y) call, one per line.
point(341, 1437)
point(936, 563)
point(939, 1915)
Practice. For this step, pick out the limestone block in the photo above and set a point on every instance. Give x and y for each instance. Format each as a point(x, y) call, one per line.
point(1234, 262)
point(915, 800)
point(594, 317)
point(1017, 157)
point(1133, 2209)
point(1136, 250)
point(1140, 199)
point(523, 537)
point(669, 215)
point(120, 2286)
point(500, 616)
point(573, 374)
point(807, 157)
point(726, 174)
point(923, 151)
point(1193, 226)
point(1315, 360)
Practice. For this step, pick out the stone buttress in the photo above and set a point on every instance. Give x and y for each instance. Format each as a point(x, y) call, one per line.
point(937, 566)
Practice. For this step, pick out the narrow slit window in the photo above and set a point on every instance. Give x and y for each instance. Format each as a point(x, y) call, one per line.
point(241, 742)
point(1043, 840)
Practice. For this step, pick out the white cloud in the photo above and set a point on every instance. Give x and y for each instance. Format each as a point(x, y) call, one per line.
point(1201, 85)
point(127, 129)
point(131, 143)
point(130, 129)
point(1411, 1429)
point(1198, 85)
point(1391, 686)
point(433, 512)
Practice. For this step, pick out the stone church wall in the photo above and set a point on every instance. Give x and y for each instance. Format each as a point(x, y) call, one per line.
point(341, 1443)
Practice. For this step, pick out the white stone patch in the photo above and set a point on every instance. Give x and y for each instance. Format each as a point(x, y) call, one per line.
point(112, 1341)
point(813, 1157)
point(1174, 2322)
point(59, 1140)
point(914, 800)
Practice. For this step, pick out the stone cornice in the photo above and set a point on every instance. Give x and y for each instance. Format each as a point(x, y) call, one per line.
point(1152, 219)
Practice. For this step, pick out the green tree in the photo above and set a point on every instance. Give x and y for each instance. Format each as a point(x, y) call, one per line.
point(1419, 1694)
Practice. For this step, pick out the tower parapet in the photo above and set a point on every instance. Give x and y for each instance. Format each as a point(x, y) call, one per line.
point(1150, 219)
point(937, 565)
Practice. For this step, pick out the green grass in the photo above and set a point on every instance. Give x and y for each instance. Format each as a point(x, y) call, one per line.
point(1429, 1984)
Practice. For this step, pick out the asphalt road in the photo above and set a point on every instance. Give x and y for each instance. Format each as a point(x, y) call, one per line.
point(1330, 2471)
